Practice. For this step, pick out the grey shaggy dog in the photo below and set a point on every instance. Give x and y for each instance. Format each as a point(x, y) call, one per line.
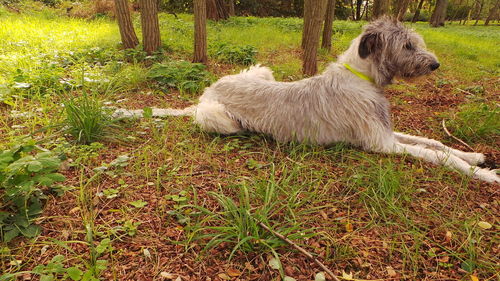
point(344, 104)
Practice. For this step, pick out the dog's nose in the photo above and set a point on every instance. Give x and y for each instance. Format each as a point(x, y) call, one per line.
point(435, 66)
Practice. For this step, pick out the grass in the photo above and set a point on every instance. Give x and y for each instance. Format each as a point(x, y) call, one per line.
point(174, 195)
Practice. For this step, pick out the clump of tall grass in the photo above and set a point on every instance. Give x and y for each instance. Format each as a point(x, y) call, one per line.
point(476, 122)
point(87, 121)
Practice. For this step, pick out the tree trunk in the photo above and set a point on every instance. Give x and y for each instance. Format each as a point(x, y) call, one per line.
point(359, 5)
point(216, 10)
point(315, 16)
point(326, 42)
point(402, 8)
point(417, 12)
point(150, 26)
point(380, 8)
point(439, 15)
point(479, 10)
point(230, 7)
point(200, 31)
point(493, 13)
point(127, 32)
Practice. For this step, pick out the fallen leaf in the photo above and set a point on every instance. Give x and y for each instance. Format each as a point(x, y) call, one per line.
point(346, 276)
point(74, 210)
point(320, 276)
point(249, 266)
point(391, 271)
point(348, 227)
point(224, 276)
point(167, 275)
point(233, 272)
point(288, 278)
point(274, 263)
point(178, 278)
point(484, 225)
point(447, 236)
point(474, 278)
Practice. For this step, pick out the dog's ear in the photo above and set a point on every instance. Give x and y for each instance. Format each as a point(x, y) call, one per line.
point(368, 44)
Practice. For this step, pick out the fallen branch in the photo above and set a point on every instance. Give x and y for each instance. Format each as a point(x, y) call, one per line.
point(457, 139)
point(301, 250)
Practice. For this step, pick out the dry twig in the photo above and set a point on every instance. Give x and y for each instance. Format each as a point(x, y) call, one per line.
point(301, 250)
point(457, 139)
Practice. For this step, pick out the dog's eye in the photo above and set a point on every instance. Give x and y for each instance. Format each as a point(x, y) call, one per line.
point(409, 46)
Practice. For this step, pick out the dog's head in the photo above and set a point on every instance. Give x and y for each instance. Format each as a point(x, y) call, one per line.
point(395, 51)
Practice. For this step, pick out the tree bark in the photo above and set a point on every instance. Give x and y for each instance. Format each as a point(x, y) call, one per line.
point(402, 8)
point(380, 8)
point(417, 12)
point(200, 31)
point(216, 10)
point(230, 8)
point(359, 5)
point(479, 11)
point(127, 32)
point(493, 13)
point(439, 15)
point(326, 42)
point(150, 25)
point(315, 16)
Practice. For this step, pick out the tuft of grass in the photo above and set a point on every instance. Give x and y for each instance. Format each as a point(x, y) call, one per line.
point(477, 123)
point(87, 121)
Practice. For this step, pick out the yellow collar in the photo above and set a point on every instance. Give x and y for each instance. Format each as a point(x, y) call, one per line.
point(359, 74)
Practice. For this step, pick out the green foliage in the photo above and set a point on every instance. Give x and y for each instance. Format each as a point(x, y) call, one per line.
point(477, 122)
point(88, 121)
point(24, 180)
point(227, 53)
point(45, 79)
point(185, 76)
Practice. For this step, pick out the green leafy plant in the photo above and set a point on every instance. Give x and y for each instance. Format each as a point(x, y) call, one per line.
point(244, 55)
point(182, 75)
point(25, 177)
point(88, 121)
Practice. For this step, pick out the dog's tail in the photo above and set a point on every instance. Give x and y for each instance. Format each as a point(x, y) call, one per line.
point(156, 112)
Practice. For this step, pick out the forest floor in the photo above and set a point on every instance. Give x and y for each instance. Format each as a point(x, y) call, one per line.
point(162, 200)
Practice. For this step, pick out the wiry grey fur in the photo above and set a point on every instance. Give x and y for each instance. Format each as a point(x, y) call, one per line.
point(334, 106)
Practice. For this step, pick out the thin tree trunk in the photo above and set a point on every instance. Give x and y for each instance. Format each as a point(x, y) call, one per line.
point(365, 10)
point(216, 10)
point(326, 42)
point(307, 22)
point(316, 14)
point(417, 12)
point(493, 13)
point(359, 5)
point(127, 32)
point(439, 15)
point(150, 25)
point(380, 8)
point(200, 31)
point(230, 8)
point(403, 7)
point(479, 11)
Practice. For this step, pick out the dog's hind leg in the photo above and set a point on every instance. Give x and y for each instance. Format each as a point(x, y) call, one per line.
point(469, 157)
point(213, 118)
point(443, 158)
